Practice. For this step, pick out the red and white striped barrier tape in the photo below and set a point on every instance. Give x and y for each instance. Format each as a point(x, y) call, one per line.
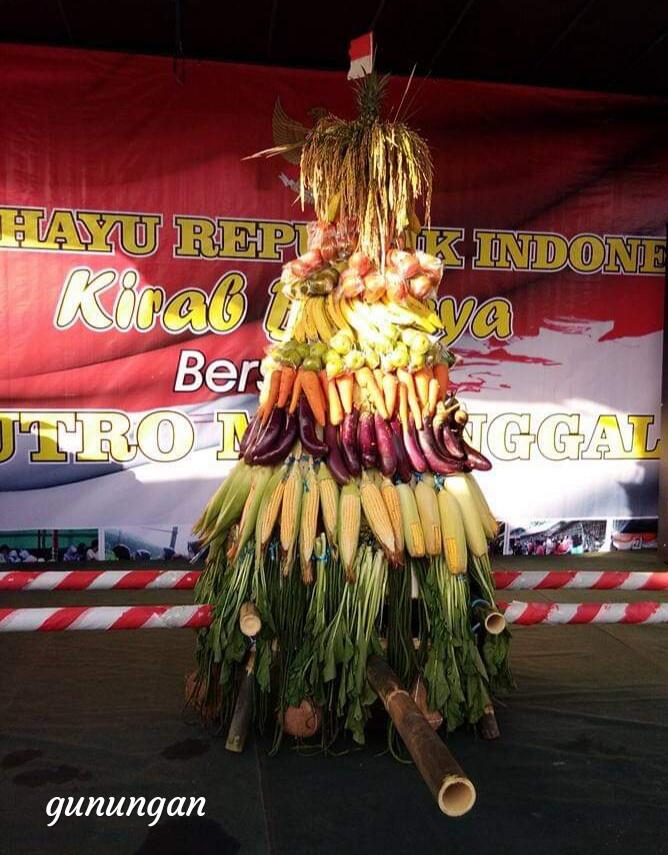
point(106, 580)
point(104, 617)
point(97, 580)
point(183, 617)
point(525, 614)
point(604, 580)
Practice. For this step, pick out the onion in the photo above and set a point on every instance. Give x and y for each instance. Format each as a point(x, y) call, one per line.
point(308, 262)
point(421, 286)
point(352, 284)
point(396, 286)
point(360, 262)
point(328, 249)
point(374, 286)
point(431, 267)
point(403, 262)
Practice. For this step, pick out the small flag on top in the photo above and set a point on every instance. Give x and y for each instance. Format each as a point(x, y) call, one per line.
point(361, 56)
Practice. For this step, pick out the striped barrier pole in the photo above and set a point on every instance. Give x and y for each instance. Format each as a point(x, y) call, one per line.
point(107, 580)
point(604, 580)
point(97, 580)
point(526, 614)
point(190, 617)
point(104, 618)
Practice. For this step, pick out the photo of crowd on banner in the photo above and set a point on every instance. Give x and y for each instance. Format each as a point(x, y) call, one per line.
point(580, 537)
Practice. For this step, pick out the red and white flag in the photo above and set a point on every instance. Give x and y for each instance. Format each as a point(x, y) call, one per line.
point(361, 56)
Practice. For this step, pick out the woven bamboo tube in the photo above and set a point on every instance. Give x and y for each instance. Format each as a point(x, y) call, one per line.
point(453, 791)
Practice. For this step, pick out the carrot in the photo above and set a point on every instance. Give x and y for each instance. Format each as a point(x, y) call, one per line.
point(367, 381)
point(296, 391)
point(403, 406)
point(406, 378)
point(322, 374)
point(345, 384)
point(313, 391)
point(334, 402)
point(421, 379)
point(378, 374)
point(360, 397)
point(274, 386)
point(433, 396)
point(442, 374)
point(390, 391)
point(288, 374)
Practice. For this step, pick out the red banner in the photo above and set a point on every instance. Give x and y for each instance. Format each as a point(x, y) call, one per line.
point(137, 250)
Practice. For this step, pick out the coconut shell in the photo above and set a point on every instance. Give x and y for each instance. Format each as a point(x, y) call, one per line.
point(302, 721)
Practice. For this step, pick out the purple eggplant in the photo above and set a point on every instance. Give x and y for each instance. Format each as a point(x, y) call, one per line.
point(439, 465)
point(281, 448)
point(412, 447)
point(250, 433)
point(404, 468)
point(437, 430)
point(349, 448)
point(387, 456)
point(366, 437)
point(475, 459)
point(335, 460)
point(310, 439)
point(452, 442)
point(266, 436)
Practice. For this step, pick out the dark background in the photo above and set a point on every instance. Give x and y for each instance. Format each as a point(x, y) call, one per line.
point(607, 45)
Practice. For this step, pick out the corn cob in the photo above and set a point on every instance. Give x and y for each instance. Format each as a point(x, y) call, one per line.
point(427, 504)
point(309, 521)
point(290, 515)
point(413, 534)
point(212, 509)
point(391, 498)
point(452, 531)
point(487, 518)
point(377, 517)
point(269, 509)
point(233, 503)
point(329, 502)
point(260, 479)
point(460, 488)
point(350, 513)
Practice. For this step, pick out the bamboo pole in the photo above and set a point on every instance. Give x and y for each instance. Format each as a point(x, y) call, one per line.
point(241, 717)
point(453, 791)
point(492, 619)
point(250, 622)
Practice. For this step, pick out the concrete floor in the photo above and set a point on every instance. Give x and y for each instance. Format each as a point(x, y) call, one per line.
point(581, 765)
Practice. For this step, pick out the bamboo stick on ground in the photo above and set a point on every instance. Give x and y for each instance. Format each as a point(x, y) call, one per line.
point(453, 791)
point(241, 718)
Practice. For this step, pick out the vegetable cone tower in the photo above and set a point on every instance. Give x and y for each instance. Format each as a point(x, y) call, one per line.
point(355, 487)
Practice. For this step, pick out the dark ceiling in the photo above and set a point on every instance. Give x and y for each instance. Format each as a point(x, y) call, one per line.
point(610, 45)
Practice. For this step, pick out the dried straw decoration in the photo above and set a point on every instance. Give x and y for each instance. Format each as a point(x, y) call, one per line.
point(369, 172)
point(373, 171)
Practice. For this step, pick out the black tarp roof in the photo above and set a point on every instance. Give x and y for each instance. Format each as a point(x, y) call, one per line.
point(608, 45)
